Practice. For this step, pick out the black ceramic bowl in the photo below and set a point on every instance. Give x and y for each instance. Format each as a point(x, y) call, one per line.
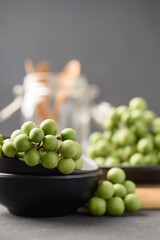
point(48, 195)
point(15, 165)
point(138, 174)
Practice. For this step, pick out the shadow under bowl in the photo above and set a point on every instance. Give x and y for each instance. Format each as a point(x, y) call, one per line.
point(46, 196)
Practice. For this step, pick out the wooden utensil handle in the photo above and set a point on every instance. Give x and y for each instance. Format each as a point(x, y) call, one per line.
point(149, 195)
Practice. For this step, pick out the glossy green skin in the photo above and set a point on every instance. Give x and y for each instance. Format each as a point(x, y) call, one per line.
point(116, 175)
point(66, 165)
point(115, 206)
point(121, 109)
point(119, 190)
point(94, 137)
point(27, 127)
point(22, 143)
point(138, 103)
point(68, 149)
point(97, 206)
point(79, 151)
point(99, 160)
point(91, 152)
point(108, 124)
point(8, 149)
point(105, 190)
point(151, 159)
point(49, 126)
point(68, 134)
point(130, 186)
point(136, 159)
point(50, 143)
point(36, 135)
point(112, 161)
point(145, 145)
point(32, 157)
point(126, 118)
point(148, 116)
point(101, 148)
point(112, 115)
point(49, 159)
point(132, 202)
point(16, 133)
point(78, 164)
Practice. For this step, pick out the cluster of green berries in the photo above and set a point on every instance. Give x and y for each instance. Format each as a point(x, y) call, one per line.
point(114, 195)
point(131, 137)
point(40, 145)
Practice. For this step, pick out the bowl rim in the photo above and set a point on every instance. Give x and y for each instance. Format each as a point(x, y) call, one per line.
point(97, 172)
point(133, 168)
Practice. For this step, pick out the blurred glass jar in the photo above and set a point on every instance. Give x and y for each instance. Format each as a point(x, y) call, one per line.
point(70, 103)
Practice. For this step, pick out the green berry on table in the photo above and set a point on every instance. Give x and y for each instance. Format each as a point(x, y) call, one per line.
point(49, 126)
point(68, 149)
point(27, 127)
point(130, 186)
point(66, 165)
point(49, 159)
point(22, 143)
point(50, 143)
point(115, 206)
point(36, 135)
point(68, 134)
point(32, 157)
point(97, 206)
point(116, 175)
point(8, 149)
point(78, 164)
point(119, 190)
point(132, 202)
point(105, 190)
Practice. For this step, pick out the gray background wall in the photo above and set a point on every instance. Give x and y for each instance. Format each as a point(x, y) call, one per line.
point(117, 42)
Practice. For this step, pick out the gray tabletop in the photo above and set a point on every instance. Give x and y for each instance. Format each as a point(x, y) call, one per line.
point(144, 224)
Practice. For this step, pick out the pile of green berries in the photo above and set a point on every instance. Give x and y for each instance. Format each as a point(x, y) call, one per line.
point(131, 137)
point(114, 195)
point(40, 145)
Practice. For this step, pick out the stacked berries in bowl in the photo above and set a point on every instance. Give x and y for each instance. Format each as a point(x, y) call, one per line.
point(42, 173)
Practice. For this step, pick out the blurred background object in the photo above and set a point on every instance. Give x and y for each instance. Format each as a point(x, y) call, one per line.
point(117, 43)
